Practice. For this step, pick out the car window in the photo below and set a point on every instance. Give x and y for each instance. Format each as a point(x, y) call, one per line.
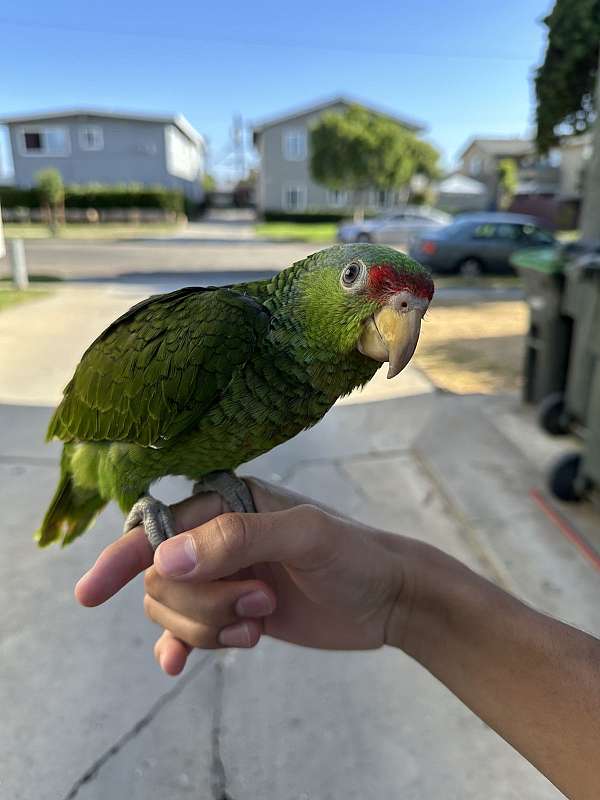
point(502, 230)
point(418, 218)
point(484, 231)
point(536, 235)
point(506, 231)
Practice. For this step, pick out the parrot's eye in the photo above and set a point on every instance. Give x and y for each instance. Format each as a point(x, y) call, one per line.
point(351, 274)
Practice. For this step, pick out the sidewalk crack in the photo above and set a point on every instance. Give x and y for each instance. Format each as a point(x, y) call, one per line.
point(218, 777)
point(139, 726)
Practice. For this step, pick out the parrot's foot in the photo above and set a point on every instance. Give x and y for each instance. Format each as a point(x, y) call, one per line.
point(232, 489)
point(156, 518)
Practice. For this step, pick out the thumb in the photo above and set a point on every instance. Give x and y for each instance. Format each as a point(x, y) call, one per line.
point(302, 537)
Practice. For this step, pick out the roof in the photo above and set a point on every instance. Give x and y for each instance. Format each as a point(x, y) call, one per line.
point(499, 146)
point(461, 184)
point(168, 119)
point(323, 105)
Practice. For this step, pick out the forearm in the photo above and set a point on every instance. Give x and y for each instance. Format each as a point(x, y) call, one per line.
point(535, 680)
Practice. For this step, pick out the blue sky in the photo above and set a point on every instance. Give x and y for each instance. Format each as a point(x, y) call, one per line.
point(462, 67)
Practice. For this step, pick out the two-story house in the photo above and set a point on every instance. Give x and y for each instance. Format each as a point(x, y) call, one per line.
point(549, 185)
point(481, 157)
point(284, 182)
point(94, 146)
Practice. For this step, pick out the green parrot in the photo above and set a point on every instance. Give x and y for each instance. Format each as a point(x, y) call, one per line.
point(197, 381)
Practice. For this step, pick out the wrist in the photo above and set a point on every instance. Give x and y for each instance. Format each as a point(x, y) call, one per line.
point(431, 581)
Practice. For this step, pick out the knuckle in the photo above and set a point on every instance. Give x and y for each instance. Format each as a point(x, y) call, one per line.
point(148, 607)
point(233, 531)
point(150, 580)
point(201, 637)
point(319, 536)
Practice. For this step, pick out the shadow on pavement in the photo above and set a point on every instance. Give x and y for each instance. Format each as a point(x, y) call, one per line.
point(173, 278)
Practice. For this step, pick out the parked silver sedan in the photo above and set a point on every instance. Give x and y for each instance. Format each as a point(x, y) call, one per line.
point(398, 227)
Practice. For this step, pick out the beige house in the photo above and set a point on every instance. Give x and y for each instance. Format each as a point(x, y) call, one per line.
point(285, 183)
point(481, 157)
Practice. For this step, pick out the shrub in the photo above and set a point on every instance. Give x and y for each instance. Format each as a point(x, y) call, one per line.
point(101, 197)
point(309, 216)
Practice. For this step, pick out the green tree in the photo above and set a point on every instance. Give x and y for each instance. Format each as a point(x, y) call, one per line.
point(565, 91)
point(507, 181)
point(357, 150)
point(51, 190)
point(209, 184)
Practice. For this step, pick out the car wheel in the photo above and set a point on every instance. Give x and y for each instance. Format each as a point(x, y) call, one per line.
point(364, 238)
point(470, 268)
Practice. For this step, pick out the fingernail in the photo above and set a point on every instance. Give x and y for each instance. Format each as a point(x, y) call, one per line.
point(254, 604)
point(176, 556)
point(235, 636)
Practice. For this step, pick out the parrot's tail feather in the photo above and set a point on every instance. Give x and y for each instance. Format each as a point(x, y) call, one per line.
point(71, 511)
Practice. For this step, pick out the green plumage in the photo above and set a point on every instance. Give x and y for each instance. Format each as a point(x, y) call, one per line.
point(201, 379)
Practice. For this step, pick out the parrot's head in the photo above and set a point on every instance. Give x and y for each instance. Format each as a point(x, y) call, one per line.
point(368, 298)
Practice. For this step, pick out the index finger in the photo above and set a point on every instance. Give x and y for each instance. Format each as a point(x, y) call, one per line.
point(119, 563)
point(131, 554)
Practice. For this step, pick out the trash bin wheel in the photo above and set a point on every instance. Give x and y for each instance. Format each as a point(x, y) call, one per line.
point(563, 480)
point(552, 415)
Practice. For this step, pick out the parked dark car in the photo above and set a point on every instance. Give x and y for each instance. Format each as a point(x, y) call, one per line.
point(478, 243)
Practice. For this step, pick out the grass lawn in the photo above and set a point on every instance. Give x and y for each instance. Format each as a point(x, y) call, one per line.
point(297, 231)
point(477, 348)
point(10, 297)
point(101, 230)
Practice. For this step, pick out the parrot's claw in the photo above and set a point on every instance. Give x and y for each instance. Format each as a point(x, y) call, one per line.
point(156, 518)
point(232, 489)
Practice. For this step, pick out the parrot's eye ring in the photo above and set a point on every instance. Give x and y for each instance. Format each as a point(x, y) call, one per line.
point(351, 274)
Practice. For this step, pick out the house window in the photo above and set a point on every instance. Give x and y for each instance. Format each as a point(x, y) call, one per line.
point(337, 198)
point(475, 165)
point(91, 137)
point(44, 141)
point(294, 145)
point(33, 141)
point(381, 198)
point(294, 198)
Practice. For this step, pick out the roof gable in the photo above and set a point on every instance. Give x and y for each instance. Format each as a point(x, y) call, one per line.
point(497, 146)
point(315, 108)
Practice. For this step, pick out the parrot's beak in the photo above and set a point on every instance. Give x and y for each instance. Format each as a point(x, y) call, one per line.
point(392, 333)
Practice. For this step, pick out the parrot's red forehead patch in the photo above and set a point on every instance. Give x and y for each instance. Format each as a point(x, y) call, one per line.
point(385, 280)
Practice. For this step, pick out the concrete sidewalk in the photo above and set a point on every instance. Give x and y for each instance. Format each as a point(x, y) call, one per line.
point(88, 715)
point(42, 341)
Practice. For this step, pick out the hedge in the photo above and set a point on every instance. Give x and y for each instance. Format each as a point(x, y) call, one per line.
point(312, 216)
point(309, 216)
point(102, 197)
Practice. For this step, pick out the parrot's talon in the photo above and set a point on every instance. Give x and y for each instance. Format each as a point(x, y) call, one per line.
point(232, 489)
point(155, 516)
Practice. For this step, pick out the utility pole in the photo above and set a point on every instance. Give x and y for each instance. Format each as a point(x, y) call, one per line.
point(237, 135)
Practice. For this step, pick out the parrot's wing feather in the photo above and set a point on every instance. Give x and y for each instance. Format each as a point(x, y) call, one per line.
point(157, 369)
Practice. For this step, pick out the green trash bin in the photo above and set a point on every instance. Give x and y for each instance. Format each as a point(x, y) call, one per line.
point(575, 473)
point(549, 337)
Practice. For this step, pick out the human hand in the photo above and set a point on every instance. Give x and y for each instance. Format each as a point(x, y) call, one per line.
point(293, 571)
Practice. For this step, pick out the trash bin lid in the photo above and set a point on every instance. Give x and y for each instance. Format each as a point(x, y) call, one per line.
point(542, 259)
